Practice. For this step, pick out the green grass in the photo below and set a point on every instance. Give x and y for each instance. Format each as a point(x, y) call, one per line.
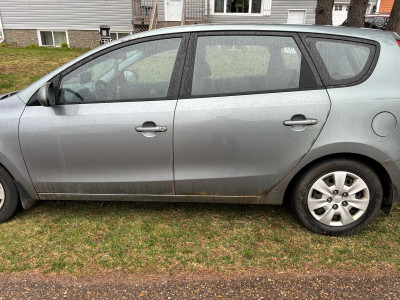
point(20, 67)
point(85, 237)
point(82, 238)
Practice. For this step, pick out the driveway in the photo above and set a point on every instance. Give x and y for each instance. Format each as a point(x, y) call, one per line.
point(317, 285)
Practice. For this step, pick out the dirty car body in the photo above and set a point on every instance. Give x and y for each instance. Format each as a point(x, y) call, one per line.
point(228, 114)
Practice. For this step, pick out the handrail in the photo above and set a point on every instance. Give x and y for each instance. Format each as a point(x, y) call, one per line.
point(154, 16)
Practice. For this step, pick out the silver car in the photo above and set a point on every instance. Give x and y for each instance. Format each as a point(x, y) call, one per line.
point(260, 114)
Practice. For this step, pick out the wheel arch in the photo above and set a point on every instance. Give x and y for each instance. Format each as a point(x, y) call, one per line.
point(25, 199)
point(389, 189)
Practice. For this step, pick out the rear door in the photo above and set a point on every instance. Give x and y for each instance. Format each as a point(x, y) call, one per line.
point(250, 108)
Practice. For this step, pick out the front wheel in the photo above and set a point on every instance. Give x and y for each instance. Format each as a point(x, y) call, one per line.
point(8, 196)
point(338, 197)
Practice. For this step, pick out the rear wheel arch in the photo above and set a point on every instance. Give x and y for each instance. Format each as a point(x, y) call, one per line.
point(386, 182)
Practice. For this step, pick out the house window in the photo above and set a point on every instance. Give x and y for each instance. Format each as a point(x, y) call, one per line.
point(237, 6)
point(338, 7)
point(119, 35)
point(52, 38)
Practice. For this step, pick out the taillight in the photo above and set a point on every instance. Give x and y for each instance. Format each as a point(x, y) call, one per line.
point(398, 42)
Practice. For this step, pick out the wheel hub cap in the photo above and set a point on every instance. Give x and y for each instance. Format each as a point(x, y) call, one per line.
point(338, 198)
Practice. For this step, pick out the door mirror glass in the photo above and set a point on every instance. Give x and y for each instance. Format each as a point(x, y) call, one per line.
point(46, 95)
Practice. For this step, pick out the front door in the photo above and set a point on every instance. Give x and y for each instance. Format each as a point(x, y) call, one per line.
point(251, 112)
point(173, 10)
point(111, 129)
point(296, 16)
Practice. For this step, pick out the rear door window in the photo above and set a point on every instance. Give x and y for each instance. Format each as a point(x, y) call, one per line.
point(234, 64)
point(341, 62)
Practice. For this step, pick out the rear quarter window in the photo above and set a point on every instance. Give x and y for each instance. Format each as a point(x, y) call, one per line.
point(342, 62)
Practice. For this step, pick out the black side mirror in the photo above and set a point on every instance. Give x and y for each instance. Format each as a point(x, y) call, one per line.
point(46, 95)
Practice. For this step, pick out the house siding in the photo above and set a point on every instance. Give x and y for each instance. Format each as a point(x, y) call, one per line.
point(386, 5)
point(161, 10)
point(279, 13)
point(66, 14)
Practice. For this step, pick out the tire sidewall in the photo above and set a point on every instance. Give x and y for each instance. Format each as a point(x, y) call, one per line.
point(313, 174)
point(11, 196)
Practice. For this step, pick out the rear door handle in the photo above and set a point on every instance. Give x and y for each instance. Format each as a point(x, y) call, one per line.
point(300, 122)
point(151, 129)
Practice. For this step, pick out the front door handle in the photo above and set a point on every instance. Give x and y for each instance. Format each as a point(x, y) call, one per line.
point(300, 122)
point(151, 129)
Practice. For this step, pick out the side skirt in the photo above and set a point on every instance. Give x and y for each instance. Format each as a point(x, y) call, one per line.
point(155, 198)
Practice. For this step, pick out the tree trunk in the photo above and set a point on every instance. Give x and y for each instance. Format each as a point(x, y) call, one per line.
point(323, 12)
point(356, 14)
point(394, 21)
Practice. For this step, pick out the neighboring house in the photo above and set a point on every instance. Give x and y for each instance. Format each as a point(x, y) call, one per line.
point(169, 12)
point(51, 22)
point(235, 11)
point(76, 22)
point(341, 8)
point(385, 6)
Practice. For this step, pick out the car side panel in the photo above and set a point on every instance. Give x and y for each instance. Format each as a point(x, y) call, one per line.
point(238, 145)
point(349, 128)
point(95, 149)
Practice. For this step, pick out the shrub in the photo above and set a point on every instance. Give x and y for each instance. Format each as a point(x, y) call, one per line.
point(64, 45)
point(33, 45)
point(3, 45)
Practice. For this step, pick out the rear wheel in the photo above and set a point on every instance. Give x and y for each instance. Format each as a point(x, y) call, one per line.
point(338, 197)
point(8, 196)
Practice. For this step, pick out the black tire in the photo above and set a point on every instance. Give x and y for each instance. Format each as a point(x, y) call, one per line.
point(305, 184)
point(11, 199)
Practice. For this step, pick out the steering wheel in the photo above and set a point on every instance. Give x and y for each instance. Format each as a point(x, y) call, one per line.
point(76, 94)
point(102, 90)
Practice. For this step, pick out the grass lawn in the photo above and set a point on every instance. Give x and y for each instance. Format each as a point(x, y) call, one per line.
point(83, 237)
point(20, 67)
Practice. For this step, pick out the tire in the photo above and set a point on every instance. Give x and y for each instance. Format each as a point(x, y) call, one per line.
point(9, 197)
point(326, 200)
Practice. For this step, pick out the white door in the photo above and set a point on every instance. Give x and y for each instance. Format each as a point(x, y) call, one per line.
point(339, 14)
point(173, 10)
point(296, 17)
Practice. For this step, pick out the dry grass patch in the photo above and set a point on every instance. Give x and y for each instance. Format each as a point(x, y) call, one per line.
point(20, 67)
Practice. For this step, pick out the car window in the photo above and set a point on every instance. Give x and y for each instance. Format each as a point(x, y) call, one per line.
point(140, 71)
point(243, 64)
point(341, 62)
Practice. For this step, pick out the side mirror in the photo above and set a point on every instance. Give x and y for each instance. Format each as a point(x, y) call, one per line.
point(131, 76)
point(46, 95)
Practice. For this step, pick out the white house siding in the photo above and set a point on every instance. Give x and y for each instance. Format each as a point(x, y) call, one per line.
point(161, 9)
point(66, 14)
point(279, 13)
